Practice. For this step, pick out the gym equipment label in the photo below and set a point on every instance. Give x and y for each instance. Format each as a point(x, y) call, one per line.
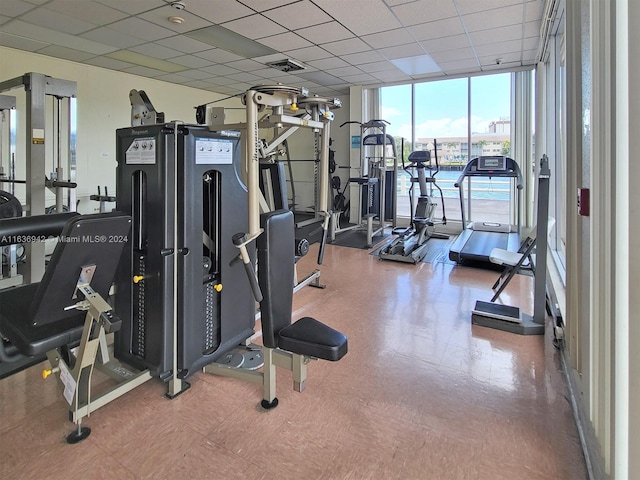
point(214, 151)
point(142, 152)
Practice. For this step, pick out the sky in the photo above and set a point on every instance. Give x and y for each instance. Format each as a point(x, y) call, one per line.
point(441, 107)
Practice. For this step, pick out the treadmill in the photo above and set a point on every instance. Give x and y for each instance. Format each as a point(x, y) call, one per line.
point(477, 239)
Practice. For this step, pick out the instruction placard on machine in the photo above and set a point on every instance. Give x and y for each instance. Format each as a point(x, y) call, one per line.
point(142, 151)
point(214, 151)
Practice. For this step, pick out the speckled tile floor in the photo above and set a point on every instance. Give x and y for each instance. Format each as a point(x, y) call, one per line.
point(422, 394)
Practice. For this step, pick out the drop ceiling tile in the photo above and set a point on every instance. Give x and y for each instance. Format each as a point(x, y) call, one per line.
point(376, 67)
point(456, 65)
point(402, 51)
point(499, 48)
point(530, 43)
point(392, 76)
point(344, 47)
point(390, 38)
point(328, 63)
point(453, 55)
point(66, 53)
point(392, 3)
point(321, 78)
point(4, 19)
point(424, 11)
point(529, 56)
point(327, 32)
point(533, 10)
point(160, 16)
point(244, 77)
point(532, 29)
point(191, 61)
point(488, 19)
point(195, 74)
point(344, 71)
point(270, 58)
point(217, 55)
point(370, 16)
point(355, 79)
point(156, 51)
point(113, 38)
point(307, 54)
point(184, 44)
point(262, 5)
point(174, 78)
point(436, 29)
point(298, 15)
point(254, 26)
point(57, 21)
point(226, 90)
point(285, 41)
point(446, 43)
point(220, 70)
point(37, 2)
point(218, 11)
point(502, 67)
point(141, 29)
point(93, 12)
point(16, 8)
point(500, 34)
point(363, 57)
point(110, 63)
point(133, 7)
point(144, 71)
point(472, 6)
point(504, 59)
point(34, 32)
point(21, 43)
point(202, 84)
point(245, 65)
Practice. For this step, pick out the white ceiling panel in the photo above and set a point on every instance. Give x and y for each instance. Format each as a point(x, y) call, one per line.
point(493, 19)
point(15, 8)
point(245, 77)
point(502, 66)
point(144, 71)
point(57, 21)
point(364, 57)
point(285, 41)
point(328, 63)
point(532, 29)
point(376, 67)
point(185, 44)
point(246, 65)
point(392, 76)
point(196, 74)
point(66, 53)
point(502, 57)
point(501, 34)
point(15, 41)
point(262, 5)
point(343, 47)
point(201, 84)
point(530, 43)
point(499, 48)
point(529, 56)
point(110, 63)
point(141, 29)
point(402, 51)
point(190, 61)
point(219, 70)
point(217, 55)
point(174, 78)
point(4, 19)
point(344, 71)
point(390, 38)
point(160, 16)
point(218, 11)
point(325, 33)
point(298, 15)
point(452, 55)
point(46, 35)
point(438, 28)
point(533, 10)
point(424, 11)
point(93, 12)
point(456, 65)
point(446, 43)
point(112, 37)
point(156, 51)
point(358, 79)
point(369, 16)
point(254, 26)
point(132, 6)
point(309, 53)
point(472, 6)
point(391, 3)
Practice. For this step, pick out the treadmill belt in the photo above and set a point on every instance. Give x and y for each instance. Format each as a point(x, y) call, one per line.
point(480, 244)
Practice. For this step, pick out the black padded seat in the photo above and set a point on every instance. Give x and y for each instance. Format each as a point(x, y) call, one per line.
point(312, 338)
point(36, 318)
point(276, 255)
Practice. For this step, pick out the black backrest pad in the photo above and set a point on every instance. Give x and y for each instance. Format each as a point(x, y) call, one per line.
point(276, 256)
point(86, 240)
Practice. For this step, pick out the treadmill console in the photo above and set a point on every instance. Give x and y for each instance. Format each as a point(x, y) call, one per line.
point(493, 164)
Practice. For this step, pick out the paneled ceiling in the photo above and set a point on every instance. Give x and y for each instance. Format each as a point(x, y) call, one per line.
point(224, 45)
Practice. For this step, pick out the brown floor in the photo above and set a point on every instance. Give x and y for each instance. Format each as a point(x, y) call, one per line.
point(421, 395)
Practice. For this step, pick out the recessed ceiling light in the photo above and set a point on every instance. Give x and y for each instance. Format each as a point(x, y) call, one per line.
point(176, 20)
point(145, 61)
point(230, 41)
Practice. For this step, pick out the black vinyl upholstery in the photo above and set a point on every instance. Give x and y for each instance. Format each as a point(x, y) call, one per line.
point(276, 258)
point(34, 317)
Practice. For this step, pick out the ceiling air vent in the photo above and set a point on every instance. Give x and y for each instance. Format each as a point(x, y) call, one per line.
point(286, 65)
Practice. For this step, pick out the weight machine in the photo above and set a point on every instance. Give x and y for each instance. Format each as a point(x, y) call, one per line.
point(376, 182)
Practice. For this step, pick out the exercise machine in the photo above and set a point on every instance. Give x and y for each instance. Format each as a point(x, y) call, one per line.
point(477, 239)
point(509, 318)
point(410, 245)
point(376, 182)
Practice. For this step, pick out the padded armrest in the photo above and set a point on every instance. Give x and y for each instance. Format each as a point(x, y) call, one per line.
point(312, 338)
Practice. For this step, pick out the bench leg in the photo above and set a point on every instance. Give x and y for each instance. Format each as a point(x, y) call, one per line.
point(269, 399)
point(299, 369)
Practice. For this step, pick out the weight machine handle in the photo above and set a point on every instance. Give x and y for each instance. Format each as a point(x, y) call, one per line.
point(240, 241)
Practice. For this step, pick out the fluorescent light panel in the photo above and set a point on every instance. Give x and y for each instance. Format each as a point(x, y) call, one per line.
point(418, 65)
point(230, 41)
point(145, 61)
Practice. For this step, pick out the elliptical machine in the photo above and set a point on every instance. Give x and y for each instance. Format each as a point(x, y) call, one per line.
point(410, 245)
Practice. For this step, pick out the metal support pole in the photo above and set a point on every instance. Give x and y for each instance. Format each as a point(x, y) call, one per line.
point(253, 166)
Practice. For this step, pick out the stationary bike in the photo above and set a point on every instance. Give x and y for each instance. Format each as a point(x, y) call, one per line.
point(410, 244)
